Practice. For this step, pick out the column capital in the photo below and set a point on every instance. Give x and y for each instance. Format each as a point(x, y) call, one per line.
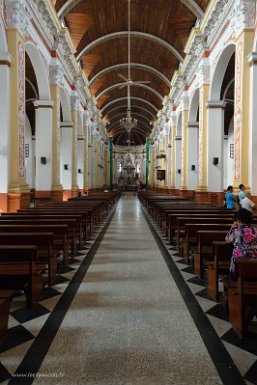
point(252, 58)
point(5, 59)
point(56, 73)
point(43, 104)
point(66, 124)
point(16, 15)
point(193, 124)
point(244, 11)
point(216, 104)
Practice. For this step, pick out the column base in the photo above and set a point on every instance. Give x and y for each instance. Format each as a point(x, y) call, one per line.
point(202, 196)
point(57, 196)
point(69, 194)
point(17, 201)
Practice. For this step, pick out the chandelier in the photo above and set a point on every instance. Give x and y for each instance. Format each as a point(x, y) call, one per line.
point(128, 122)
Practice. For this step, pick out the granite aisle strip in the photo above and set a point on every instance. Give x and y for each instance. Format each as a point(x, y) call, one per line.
point(224, 364)
point(128, 324)
point(30, 365)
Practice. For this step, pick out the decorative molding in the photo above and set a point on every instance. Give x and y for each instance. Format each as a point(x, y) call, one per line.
point(204, 72)
point(75, 101)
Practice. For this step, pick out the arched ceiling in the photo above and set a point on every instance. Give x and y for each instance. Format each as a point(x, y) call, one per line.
point(159, 32)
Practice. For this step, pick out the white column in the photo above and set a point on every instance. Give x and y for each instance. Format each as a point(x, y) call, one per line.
point(66, 154)
point(89, 159)
point(193, 145)
point(215, 145)
point(5, 61)
point(169, 160)
point(80, 161)
point(253, 124)
point(178, 162)
point(43, 111)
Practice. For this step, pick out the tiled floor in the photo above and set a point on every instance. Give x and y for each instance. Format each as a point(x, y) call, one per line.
point(135, 315)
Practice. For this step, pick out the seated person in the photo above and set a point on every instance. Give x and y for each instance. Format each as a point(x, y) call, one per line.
point(243, 235)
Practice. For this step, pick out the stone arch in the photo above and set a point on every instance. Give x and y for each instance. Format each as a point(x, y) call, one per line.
point(193, 139)
point(40, 71)
point(65, 105)
point(194, 107)
point(219, 72)
point(218, 113)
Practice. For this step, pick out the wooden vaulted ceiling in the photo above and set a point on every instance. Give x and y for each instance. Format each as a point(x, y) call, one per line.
point(159, 31)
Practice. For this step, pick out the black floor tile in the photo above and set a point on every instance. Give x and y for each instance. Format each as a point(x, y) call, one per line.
point(49, 292)
point(60, 279)
point(205, 294)
point(218, 311)
point(16, 336)
point(251, 375)
point(4, 374)
point(248, 343)
point(188, 269)
point(24, 315)
point(197, 281)
point(65, 269)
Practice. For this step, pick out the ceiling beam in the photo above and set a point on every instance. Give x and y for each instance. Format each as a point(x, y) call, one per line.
point(190, 4)
point(137, 34)
point(194, 7)
point(142, 130)
point(125, 106)
point(133, 65)
point(132, 98)
point(112, 87)
point(133, 114)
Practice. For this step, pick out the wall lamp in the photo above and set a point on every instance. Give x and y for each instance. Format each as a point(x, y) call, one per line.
point(43, 160)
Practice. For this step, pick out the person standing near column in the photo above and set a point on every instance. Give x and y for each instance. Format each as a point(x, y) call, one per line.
point(230, 198)
point(241, 194)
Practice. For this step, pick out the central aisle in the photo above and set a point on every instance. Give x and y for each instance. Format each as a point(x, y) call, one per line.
point(128, 324)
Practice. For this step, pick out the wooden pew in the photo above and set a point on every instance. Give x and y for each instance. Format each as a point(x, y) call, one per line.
point(190, 236)
point(32, 215)
point(83, 216)
point(45, 252)
point(194, 214)
point(19, 270)
point(5, 296)
point(242, 295)
point(204, 248)
point(186, 234)
point(60, 241)
point(218, 265)
point(72, 227)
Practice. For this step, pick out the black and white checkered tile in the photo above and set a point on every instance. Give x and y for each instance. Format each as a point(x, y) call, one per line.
point(25, 325)
point(243, 352)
